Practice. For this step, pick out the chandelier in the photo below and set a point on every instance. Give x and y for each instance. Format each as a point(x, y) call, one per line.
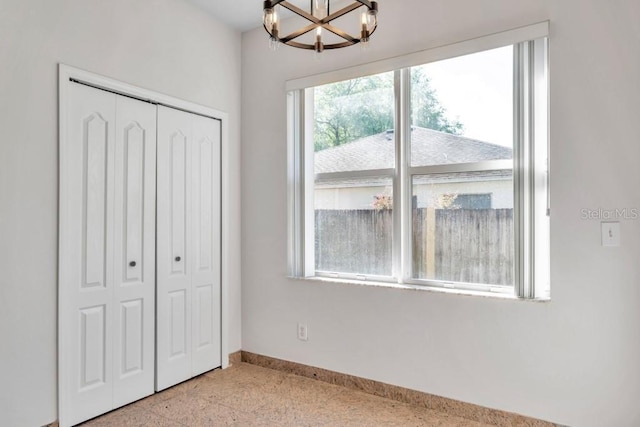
point(320, 17)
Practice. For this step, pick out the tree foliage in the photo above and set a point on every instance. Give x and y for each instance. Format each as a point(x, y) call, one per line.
point(426, 109)
point(352, 109)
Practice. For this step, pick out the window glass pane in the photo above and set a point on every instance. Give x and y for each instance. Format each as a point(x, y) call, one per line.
point(463, 227)
point(462, 109)
point(353, 226)
point(353, 125)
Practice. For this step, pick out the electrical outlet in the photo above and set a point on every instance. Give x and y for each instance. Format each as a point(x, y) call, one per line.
point(303, 333)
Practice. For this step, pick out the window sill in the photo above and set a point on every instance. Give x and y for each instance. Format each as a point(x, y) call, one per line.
point(412, 287)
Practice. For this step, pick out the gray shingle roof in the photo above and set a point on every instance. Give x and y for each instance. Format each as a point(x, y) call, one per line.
point(428, 147)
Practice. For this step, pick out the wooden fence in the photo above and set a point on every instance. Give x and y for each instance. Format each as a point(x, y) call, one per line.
point(354, 241)
point(461, 245)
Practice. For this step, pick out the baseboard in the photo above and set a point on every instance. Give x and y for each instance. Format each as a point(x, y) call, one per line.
point(235, 358)
point(429, 401)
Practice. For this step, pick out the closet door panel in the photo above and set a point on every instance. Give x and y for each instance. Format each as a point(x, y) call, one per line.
point(206, 245)
point(95, 145)
point(86, 254)
point(134, 231)
point(178, 324)
point(173, 356)
point(178, 202)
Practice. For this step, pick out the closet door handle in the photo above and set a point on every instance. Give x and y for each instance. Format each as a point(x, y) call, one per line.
point(178, 259)
point(132, 264)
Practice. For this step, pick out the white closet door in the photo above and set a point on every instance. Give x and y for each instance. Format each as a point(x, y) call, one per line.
point(107, 222)
point(188, 246)
point(206, 339)
point(134, 260)
point(86, 325)
point(173, 320)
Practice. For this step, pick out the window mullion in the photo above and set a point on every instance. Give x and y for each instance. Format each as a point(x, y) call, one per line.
point(398, 270)
point(518, 136)
point(307, 170)
point(540, 170)
point(529, 182)
point(295, 182)
point(488, 165)
point(523, 170)
point(371, 173)
point(403, 142)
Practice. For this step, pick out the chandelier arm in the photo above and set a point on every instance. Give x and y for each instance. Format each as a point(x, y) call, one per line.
point(300, 45)
point(373, 30)
point(366, 3)
point(274, 3)
point(339, 45)
point(343, 11)
point(326, 46)
point(298, 33)
point(338, 32)
point(295, 9)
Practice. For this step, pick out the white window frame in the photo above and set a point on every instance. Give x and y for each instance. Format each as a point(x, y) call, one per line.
point(529, 165)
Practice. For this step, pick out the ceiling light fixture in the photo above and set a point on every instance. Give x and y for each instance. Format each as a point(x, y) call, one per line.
point(320, 18)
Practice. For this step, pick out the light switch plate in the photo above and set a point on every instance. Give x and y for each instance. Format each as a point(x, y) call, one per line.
point(610, 233)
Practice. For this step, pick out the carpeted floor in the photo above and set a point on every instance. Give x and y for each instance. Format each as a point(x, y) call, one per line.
point(248, 395)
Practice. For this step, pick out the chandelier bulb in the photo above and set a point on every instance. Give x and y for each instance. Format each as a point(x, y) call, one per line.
point(372, 16)
point(320, 8)
point(372, 20)
point(268, 18)
point(364, 30)
point(319, 46)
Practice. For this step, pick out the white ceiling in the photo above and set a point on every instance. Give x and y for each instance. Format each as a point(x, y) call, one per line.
point(242, 15)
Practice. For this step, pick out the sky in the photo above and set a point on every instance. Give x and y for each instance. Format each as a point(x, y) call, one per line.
point(477, 90)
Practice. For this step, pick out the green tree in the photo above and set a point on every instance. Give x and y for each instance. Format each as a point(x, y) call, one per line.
point(426, 110)
point(352, 109)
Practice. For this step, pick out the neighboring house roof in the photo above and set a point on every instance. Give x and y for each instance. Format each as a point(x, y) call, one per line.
point(428, 147)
